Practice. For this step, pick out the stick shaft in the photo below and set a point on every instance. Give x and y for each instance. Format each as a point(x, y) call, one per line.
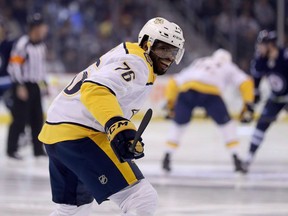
point(145, 121)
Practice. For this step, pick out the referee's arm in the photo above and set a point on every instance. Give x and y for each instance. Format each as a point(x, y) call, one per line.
point(17, 59)
point(15, 70)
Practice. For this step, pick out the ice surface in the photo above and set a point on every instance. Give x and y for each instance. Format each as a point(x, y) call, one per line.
point(202, 182)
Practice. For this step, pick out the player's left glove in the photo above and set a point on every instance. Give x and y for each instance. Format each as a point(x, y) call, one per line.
point(247, 113)
point(121, 133)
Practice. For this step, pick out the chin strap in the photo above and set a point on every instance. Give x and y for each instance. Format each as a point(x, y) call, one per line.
point(149, 47)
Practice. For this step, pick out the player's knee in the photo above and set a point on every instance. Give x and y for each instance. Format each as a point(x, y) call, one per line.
point(139, 200)
point(228, 131)
point(149, 204)
point(68, 210)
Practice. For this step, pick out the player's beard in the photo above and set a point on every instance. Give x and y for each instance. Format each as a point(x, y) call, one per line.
point(159, 67)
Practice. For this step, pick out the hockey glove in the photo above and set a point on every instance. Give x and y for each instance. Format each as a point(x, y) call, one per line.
point(121, 133)
point(247, 113)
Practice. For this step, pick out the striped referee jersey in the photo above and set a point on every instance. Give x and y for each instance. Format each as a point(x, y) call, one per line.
point(27, 62)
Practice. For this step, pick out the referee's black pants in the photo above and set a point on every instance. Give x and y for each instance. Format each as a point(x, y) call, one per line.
point(27, 112)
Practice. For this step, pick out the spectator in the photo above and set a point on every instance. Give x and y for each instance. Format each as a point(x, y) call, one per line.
point(265, 14)
point(247, 30)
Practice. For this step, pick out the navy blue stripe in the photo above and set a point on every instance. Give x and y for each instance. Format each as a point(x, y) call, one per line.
point(73, 123)
point(126, 50)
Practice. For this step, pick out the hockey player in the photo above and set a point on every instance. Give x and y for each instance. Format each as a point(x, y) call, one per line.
point(270, 61)
point(88, 132)
point(201, 85)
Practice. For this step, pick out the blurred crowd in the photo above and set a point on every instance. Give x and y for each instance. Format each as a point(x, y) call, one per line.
point(80, 30)
point(232, 24)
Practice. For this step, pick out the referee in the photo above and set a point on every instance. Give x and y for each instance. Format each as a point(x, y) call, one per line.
point(27, 71)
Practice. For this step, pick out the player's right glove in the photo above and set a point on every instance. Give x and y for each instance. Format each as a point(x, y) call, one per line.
point(247, 113)
point(121, 133)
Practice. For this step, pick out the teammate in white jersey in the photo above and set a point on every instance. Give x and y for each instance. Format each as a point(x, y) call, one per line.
point(88, 133)
point(201, 85)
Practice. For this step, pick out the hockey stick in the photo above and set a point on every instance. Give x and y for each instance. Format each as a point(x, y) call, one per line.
point(145, 121)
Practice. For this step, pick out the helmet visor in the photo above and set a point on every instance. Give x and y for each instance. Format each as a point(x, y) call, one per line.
point(167, 51)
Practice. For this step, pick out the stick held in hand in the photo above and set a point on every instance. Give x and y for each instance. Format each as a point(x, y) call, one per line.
point(145, 121)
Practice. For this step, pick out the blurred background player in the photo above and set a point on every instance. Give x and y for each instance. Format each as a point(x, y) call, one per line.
point(88, 133)
point(5, 50)
point(27, 71)
point(201, 85)
point(270, 61)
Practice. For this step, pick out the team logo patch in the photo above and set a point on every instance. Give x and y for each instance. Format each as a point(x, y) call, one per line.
point(103, 179)
point(158, 21)
point(277, 83)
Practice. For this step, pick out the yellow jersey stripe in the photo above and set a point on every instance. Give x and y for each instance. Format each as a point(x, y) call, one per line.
point(135, 49)
point(54, 133)
point(171, 92)
point(246, 89)
point(200, 87)
point(100, 101)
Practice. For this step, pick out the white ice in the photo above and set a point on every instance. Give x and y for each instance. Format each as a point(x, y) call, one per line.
point(202, 182)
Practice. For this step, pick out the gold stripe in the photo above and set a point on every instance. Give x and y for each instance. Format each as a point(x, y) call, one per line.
point(135, 49)
point(100, 102)
point(51, 134)
point(101, 140)
point(171, 92)
point(232, 144)
point(172, 144)
point(200, 87)
point(246, 90)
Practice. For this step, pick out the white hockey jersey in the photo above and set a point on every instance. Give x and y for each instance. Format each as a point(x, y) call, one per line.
point(126, 71)
point(209, 76)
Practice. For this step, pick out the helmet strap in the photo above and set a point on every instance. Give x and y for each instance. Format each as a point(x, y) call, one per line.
point(149, 46)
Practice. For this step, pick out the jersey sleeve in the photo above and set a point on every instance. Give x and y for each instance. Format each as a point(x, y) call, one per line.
point(17, 59)
point(257, 67)
point(240, 79)
point(257, 71)
point(235, 75)
point(101, 92)
point(184, 75)
point(100, 101)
